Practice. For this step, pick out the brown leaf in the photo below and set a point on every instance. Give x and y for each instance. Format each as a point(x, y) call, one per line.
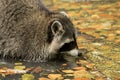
point(28, 69)
point(37, 70)
point(117, 77)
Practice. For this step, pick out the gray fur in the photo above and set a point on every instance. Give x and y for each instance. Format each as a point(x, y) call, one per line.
point(25, 30)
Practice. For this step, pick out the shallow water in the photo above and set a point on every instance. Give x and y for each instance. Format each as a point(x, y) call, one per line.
point(47, 68)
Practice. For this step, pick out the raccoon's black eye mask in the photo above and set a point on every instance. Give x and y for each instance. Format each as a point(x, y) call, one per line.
point(67, 46)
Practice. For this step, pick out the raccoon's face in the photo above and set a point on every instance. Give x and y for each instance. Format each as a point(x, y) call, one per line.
point(63, 39)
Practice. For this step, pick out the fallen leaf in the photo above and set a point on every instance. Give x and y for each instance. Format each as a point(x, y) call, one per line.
point(90, 66)
point(55, 76)
point(92, 11)
point(87, 30)
point(27, 77)
point(37, 70)
point(79, 68)
point(117, 77)
point(96, 73)
point(97, 44)
point(68, 75)
point(64, 65)
point(80, 38)
point(7, 71)
point(2, 70)
point(97, 27)
point(83, 62)
point(19, 67)
point(18, 63)
point(117, 41)
point(110, 38)
point(82, 74)
point(15, 71)
point(28, 69)
point(118, 32)
point(68, 71)
point(82, 79)
point(100, 78)
point(96, 35)
point(105, 47)
point(95, 16)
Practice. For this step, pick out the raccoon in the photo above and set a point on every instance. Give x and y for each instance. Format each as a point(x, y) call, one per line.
point(30, 31)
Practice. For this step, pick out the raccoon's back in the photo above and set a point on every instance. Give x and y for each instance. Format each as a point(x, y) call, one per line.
point(15, 26)
point(21, 26)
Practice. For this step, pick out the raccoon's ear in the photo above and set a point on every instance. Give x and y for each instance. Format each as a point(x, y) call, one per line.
point(64, 13)
point(56, 27)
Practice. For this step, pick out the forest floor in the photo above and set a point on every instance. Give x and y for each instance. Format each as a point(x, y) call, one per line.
point(98, 25)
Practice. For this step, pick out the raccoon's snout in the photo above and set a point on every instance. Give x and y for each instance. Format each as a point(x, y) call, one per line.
point(70, 49)
point(73, 52)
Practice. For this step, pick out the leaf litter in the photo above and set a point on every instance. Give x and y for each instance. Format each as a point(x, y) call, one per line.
point(99, 23)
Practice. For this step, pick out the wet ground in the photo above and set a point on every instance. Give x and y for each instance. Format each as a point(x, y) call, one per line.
point(98, 25)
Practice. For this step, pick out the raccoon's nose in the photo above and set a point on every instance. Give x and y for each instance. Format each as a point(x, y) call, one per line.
point(79, 53)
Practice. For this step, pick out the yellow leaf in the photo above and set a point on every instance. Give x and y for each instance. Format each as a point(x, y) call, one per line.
point(19, 67)
point(27, 77)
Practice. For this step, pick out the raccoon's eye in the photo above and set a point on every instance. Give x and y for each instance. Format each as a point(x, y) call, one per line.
point(67, 46)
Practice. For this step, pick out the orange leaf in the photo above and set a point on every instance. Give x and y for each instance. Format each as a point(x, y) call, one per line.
point(37, 70)
point(28, 69)
point(117, 41)
point(105, 47)
point(96, 35)
point(118, 32)
point(68, 71)
point(79, 68)
point(55, 77)
point(82, 79)
point(64, 65)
